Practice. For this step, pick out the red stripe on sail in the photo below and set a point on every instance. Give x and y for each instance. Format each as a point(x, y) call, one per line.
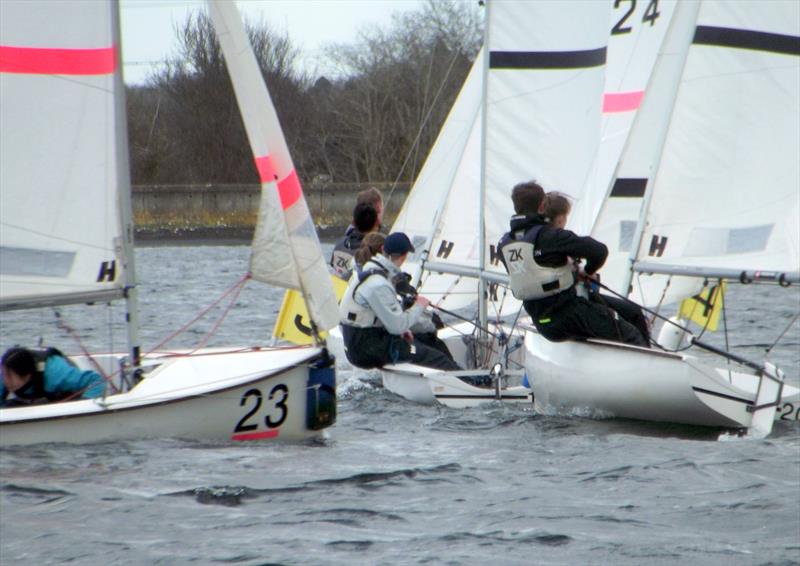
point(40, 61)
point(266, 169)
point(273, 433)
point(622, 101)
point(289, 190)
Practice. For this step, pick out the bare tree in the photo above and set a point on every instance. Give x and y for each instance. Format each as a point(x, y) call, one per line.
point(376, 122)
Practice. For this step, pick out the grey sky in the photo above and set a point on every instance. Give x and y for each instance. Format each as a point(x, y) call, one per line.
point(148, 34)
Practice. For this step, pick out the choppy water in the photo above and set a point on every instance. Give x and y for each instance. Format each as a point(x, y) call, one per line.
point(397, 483)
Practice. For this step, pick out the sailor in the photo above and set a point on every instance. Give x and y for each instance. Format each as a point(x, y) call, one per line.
point(371, 196)
point(556, 209)
point(41, 376)
point(375, 328)
point(365, 220)
point(429, 323)
point(537, 258)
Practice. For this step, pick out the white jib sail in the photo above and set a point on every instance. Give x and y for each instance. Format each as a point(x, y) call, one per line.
point(286, 250)
point(450, 168)
point(637, 32)
point(727, 191)
point(60, 229)
point(616, 224)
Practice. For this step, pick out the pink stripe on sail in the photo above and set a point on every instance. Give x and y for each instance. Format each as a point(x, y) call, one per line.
point(622, 101)
point(266, 170)
point(289, 189)
point(41, 61)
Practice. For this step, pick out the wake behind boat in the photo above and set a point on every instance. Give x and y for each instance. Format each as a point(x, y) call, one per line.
point(67, 238)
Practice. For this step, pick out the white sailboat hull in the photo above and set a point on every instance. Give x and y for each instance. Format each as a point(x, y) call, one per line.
point(429, 386)
point(212, 394)
point(606, 379)
point(458, 389)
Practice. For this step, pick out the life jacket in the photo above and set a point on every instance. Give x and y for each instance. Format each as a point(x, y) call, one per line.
point(528, 280)
point(343, 252)
point(350, 311)
point(34, 392)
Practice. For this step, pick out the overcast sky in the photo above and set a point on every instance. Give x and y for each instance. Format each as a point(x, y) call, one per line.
point(148, 34)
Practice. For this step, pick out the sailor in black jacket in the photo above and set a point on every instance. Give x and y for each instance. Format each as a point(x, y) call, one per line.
point(537, 258)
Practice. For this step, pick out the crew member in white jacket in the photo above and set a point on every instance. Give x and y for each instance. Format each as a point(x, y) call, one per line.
point(375, 328)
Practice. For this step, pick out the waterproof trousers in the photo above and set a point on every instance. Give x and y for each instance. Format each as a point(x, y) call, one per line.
point(629, 311)
point(369, 348)
point(581, 318)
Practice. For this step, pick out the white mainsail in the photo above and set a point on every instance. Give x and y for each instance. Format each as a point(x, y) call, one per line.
point(726, 195)
point(630, 57)
point(286, 250)
point(526, 132)
point(63, 168)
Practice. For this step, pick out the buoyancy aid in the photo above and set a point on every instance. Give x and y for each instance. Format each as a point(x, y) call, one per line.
point(528, 280)
point(343, 252)
point(353, 313)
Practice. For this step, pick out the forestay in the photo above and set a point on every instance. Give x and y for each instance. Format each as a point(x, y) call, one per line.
point(64, 173)
point(286, 250)
point(725, 196)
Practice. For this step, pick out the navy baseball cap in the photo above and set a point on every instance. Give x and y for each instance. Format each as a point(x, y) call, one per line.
point(397, 244)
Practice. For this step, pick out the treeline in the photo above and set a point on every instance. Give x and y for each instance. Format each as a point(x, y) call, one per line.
point(376, 123)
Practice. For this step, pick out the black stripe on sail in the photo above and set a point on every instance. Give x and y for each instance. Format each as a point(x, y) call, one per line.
point(747, 39)
point(628, 188)
point(547, 59)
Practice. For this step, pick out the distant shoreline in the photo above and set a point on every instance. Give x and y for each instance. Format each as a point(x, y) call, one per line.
point(216, 236)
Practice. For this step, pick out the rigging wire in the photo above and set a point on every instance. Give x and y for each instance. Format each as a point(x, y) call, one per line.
point(236, 286)
point(782, 334)
point(62, 324)
point(425, 121)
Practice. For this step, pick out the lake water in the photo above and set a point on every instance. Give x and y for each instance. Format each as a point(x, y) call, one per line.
point(393, 482)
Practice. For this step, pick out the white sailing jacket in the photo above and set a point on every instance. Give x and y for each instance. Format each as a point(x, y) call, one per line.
point(373, 302)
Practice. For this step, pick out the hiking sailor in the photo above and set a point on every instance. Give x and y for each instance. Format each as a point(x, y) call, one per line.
point(375, 328)
point(537, 258)
point(32, 377)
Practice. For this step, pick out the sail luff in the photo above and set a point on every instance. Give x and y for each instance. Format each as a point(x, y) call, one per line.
point(286, 250)
point(482, 307)
point(127, 255)
point(439, 171)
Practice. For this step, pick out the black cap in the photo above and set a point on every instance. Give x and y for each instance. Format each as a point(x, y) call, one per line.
point(397, 244)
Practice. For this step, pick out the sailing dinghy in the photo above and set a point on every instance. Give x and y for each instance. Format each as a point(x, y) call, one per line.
point(711, 166)
point(573, 82)
point(66, 237)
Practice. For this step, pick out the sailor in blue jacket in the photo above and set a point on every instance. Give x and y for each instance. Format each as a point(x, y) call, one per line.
point(35, 377)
